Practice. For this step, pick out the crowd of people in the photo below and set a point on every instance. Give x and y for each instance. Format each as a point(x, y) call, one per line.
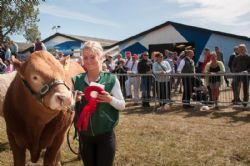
point(135, 73)
point(6, 51)
point(166, 65)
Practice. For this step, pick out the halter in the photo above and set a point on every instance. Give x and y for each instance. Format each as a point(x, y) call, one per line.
point(45, 88)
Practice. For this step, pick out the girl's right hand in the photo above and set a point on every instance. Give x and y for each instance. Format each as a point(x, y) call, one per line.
point(79, 95)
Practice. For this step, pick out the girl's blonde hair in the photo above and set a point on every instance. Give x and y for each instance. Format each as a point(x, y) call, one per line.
point(95, 47)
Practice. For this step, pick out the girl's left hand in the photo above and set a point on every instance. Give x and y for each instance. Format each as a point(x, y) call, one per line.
point(104, 97)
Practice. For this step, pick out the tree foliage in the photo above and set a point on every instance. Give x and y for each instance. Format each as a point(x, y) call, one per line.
point(17, 15)
point(32, 33)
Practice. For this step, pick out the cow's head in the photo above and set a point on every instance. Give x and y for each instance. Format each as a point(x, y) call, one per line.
point(44, 77)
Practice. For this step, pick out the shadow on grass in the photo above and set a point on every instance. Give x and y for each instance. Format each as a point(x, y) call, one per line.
point(236, 114)
point(4, 146)
point(72, 160)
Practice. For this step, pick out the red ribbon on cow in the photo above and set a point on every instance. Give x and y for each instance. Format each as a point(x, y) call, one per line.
point(88, 109)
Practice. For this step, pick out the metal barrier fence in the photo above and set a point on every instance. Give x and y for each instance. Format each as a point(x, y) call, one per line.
point(186, 88)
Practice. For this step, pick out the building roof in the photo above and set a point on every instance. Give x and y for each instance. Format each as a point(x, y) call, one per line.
point(23, 46)
point(182, 25)
point(103, 42)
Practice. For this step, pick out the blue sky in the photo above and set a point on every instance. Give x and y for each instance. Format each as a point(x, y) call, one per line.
point(120, 19)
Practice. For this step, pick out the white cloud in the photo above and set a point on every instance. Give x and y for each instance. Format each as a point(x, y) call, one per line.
point(72, 15)
point(98, 1)
point(224, 12)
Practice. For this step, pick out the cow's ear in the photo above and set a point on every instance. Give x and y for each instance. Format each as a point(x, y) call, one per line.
point(65, 60)
point(16, 63)
point(66, 63)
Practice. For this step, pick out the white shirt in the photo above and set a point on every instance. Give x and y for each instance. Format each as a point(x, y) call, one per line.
point(132, 66)
point(181, 65)
point(158, 70)
point(118, 101)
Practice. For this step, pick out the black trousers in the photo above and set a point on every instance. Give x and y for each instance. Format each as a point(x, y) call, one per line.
point(188, 83)
point(163, 91)
point(237, 80)
point(98, 150)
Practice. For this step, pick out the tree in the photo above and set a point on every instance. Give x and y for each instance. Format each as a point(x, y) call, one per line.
point(17, 15)
point(32, 33)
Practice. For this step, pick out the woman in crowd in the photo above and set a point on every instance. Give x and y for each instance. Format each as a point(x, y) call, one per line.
point(9, 66)
point(214, 82)
point(97, 142)
point(160, 68)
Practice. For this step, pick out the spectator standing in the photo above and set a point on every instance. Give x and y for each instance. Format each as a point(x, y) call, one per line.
point(220, 57)
point(2, 66)
point(145, 67)
point(207, 58)
point(178, 81)
point(133, 80)
point(121, 69)
point(2, 52)
point(232, 57)
point(162, 69)
point(9, 66)
point(39, 45)
point(118, 59)
point(187, 66)
point(214, 82)
point(170, 60)
point(109, 62)
point(241, 64)
point(7, 52)
point(230, 65)
point(128, 59)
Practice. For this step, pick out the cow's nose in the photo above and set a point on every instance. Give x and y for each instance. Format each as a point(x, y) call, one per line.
point(64, 100)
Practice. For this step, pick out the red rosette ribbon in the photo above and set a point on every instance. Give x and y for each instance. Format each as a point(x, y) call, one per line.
point(88, 109)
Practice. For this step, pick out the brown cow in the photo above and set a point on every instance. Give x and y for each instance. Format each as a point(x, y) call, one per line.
point(71, 68)
point(36, 109)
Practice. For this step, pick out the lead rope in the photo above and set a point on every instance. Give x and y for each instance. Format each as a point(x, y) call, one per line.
point(74, 93)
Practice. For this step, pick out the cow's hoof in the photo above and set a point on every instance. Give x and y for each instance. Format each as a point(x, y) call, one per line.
point(32, 164)
point(59, 164)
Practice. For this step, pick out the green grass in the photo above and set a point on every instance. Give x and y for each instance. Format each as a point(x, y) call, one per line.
point(173, 138)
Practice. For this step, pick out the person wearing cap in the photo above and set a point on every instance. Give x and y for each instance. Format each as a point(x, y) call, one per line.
point(145, 67)
point(132, 79)
point(128, 56)
point(241, 64)
point(230, 64)
point(160, 69)
point(187, 66)
point(118, 58)
point(109, 62)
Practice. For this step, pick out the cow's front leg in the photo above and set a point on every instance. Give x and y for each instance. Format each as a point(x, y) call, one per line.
point(18, 152)
point(52, 155)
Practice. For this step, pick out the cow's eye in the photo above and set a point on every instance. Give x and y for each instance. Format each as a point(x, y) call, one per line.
point(34, 78)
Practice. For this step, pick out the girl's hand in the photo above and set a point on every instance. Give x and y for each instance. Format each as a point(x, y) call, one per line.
point(78, 95)
point(104, 97)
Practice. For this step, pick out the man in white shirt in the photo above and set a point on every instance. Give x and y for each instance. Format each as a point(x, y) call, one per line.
point(133, 80)
point(187, 66)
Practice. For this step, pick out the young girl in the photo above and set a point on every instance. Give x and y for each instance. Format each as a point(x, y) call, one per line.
point(98, 143)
